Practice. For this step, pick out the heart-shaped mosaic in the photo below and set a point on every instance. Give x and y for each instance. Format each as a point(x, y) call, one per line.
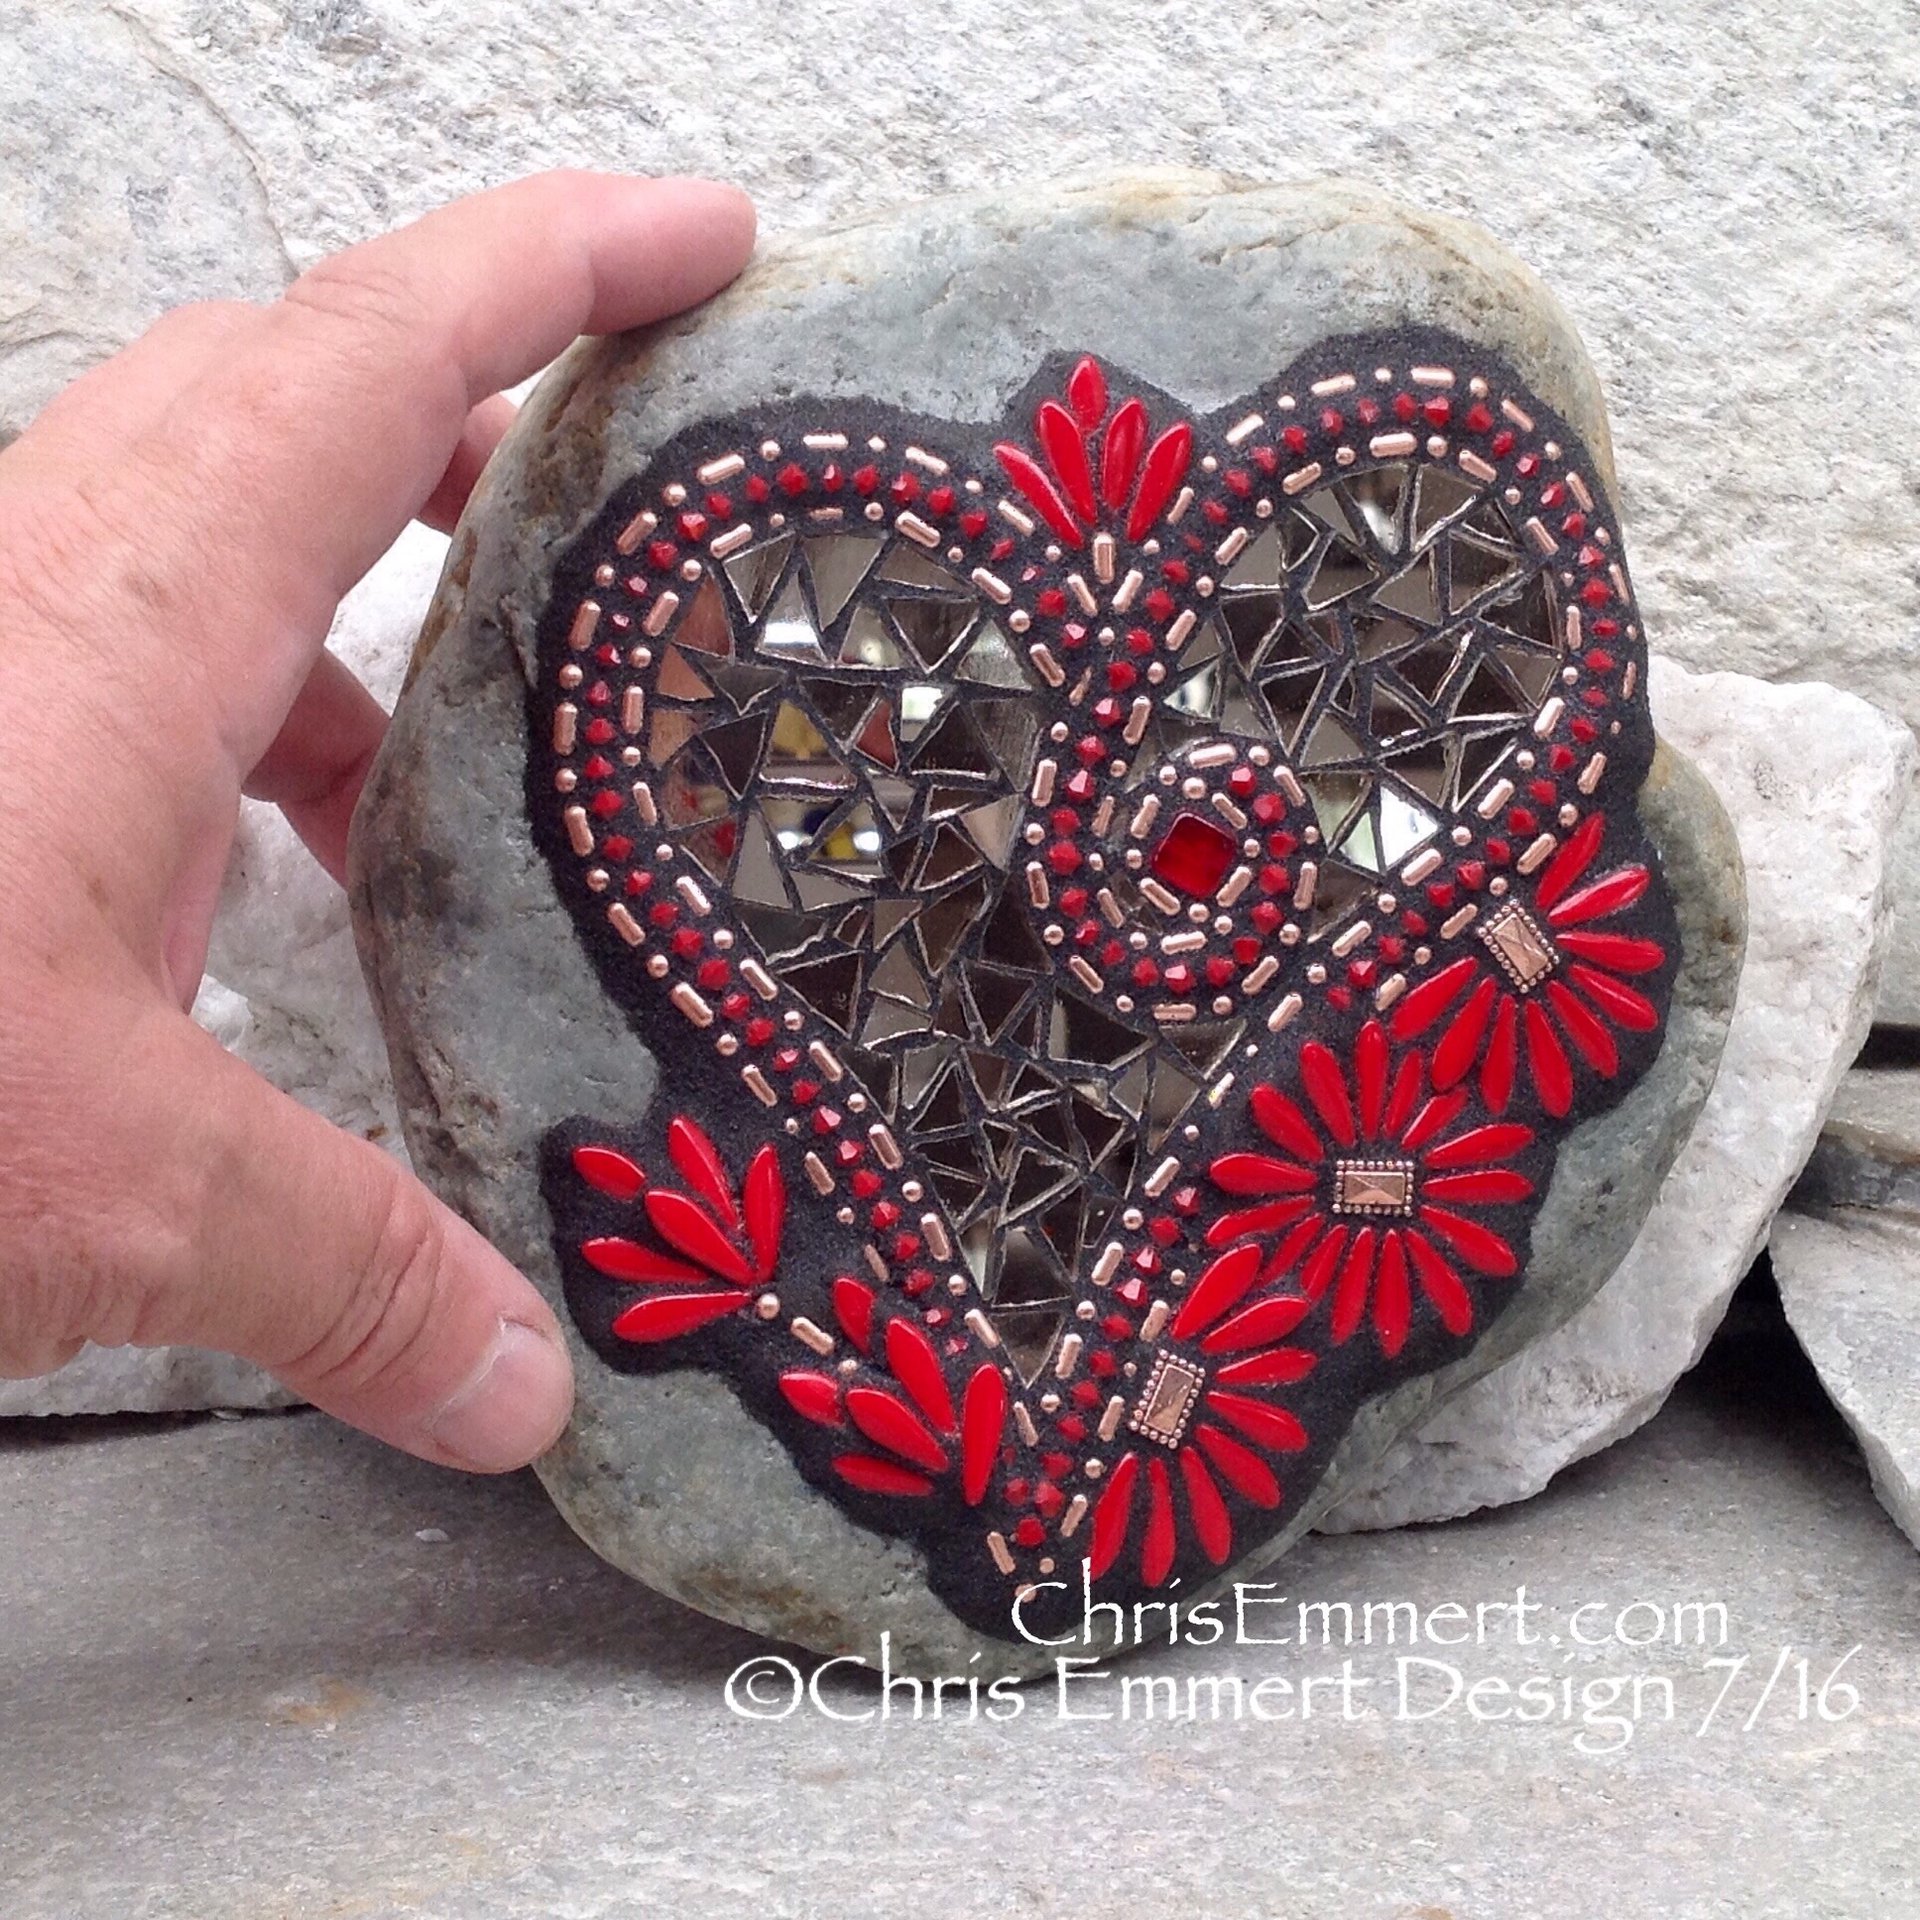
point(1126, 906)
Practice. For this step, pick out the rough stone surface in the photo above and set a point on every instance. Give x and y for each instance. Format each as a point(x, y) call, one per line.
point(1731, 228)
point(1814, 780)
point(263, 1669)
point(1850, 1282)
point(495, 1023)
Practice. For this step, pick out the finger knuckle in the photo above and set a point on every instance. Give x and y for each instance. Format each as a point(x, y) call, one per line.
point(393, 1301)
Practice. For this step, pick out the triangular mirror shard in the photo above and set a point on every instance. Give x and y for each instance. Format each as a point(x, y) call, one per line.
point(1263, 563)
point(789, 632)
point(1250, 620)
point(797, 753)
point(744, 682)
point(705, 628)
point(679, 680)
point(1376, 504)
point(836, 565)
point(736, 750)
point(759, 877)
point(1334, 797)
point(1405, 827)
point(870, 641)
point(1029, 1335)
point(908, 566)
point(754, 574)
point(1342, 569)
point(990, 660)
point(1424, 766)
point(1475, 568)
point(1438, 497)
point(1338, 895)
point(831, 987)
point(930, 627)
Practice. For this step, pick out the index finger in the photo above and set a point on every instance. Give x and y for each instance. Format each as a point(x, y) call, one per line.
point(300, 455)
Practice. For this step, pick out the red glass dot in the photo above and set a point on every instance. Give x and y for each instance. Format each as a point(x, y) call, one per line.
point(1194, 856)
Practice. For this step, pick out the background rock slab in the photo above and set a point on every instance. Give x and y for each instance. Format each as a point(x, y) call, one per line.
point(1729, 222)
point(1868, 1154)
point(1850, 1283)
point(1814, 780)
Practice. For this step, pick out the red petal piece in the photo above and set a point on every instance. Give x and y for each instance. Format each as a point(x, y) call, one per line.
point(1547, 1062)
point(891, 1423)
point(1459, 1046)
point(1239, 1466)
point(1629, 1008)
point(1370, 1077)
point(689, 1229)
point(1156, 1546)
point(853, 1308)
point(766, 1204)
point(1478, 1246)
point(1326, 1085)
point(1479, 1147)
point(1284, 1124)
point(983, 1413)
point(815, 1395)
point(1441, 1285)
point(1503, 1057)
point(1277, 1367)
point(1618, 951)
point(1407, 1086)
point(916, 1366)
point(1392, 1299)
point(1571, 861)
point(700, 1167)
point(610, 1172)
point(1594, 1042)
point(1111, 1515)
point(1255, 1326)
point(1319, 1270)
point(1087, 392)
point(1607, 895)
point(1120, 459)
point(1270, 1427)
point(1289, 1253)
point(1439, 1112)
point(628, 1260)
point(667, 1315)
point(1431, 998)
point(1166, 467)
point(1211, 1527)
point(1066, 450)
point(1350, 1295)
point(1252, 1175)
point(1218, 1288)
point(871, 1474)
point(1484, 1186)
point(1278, 1213)
point(1029, 476)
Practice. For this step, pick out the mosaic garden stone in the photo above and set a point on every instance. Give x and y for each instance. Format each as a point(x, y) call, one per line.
point(1027, 863)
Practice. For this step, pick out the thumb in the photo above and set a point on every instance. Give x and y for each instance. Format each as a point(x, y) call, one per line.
point(315, 1255)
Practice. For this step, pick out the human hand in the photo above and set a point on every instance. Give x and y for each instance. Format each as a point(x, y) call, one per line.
point(176, 530)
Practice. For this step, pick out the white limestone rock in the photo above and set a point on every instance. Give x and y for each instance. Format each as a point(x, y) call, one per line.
point(1850, 1282)
point(1814, 780)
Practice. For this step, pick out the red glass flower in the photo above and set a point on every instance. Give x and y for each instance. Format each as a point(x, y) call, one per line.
point(1210, 1410)
point(1549, 986)
point(1097, 460)
point(721, 1242)
point(1369, 1195)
